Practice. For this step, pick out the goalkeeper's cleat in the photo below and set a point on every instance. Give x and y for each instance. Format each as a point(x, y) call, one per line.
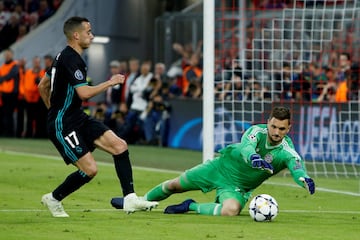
point(179, 208)
point(117, 202)
point(133, 203)
point(55, 206)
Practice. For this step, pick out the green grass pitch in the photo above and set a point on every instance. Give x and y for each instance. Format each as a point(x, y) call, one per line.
point(30, 168)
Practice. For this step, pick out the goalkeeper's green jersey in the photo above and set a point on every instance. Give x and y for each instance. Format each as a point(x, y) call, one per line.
point(235, 165)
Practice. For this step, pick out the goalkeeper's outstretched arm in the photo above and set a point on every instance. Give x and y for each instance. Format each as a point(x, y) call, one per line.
point(298, 172)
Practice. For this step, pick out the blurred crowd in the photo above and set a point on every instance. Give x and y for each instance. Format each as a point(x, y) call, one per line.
point(337, 81)
point(139, 110)
point(19, 17)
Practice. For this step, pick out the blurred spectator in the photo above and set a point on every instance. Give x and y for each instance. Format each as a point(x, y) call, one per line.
point(138, 105)
point(254, 91)
point(342, 91)
point(44, 11)
point(318, 79)
point(192, 73)
point(274, 4)
point(9, 80)
point(152, 89)
point(170, 90)
point(100, 111)
point(160, 71)
point(4, 15)
point(156, 121)
point(23, 16)
point(22, 32)
point(20, 109)
point(32, 5)
point(117, 119)
point(349, 72)
point(124, 68)
point(32, 97)
point(9, 32)
point(344, 66)
point(134, 66)
point(284, 81)
point(56, 4)
point(48, 60)
point(185, 51)
point(33, 21)
point(301, 85)
point(329, 89)
point(194, 90)
point(113, 94)
point(174, 75)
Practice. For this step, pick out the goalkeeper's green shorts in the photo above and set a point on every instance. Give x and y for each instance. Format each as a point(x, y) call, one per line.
point(206, 177)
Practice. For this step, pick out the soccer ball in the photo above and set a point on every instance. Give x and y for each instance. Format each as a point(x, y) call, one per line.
point(263, 207)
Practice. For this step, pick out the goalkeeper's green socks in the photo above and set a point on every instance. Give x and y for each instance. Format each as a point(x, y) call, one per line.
point(158, 193)
point(213, 209)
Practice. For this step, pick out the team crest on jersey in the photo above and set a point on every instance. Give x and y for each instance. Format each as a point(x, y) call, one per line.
point(268, 158)
point(78, 75)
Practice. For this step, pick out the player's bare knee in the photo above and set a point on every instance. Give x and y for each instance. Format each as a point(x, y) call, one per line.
point(230, 211)
point(230, 208)
point(174, 185)
point(119, 145)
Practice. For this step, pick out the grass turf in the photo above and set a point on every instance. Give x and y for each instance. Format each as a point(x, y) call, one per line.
point(26, 176)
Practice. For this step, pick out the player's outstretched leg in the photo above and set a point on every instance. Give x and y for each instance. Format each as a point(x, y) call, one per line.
point(53, 205)
point(179, 208)
point(212, 209)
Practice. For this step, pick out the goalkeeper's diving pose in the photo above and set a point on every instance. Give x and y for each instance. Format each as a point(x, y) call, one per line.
point(264, 150)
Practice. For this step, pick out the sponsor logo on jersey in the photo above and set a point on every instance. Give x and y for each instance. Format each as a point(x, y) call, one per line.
point(252, 137)
point(268, 158)
point(78, 75)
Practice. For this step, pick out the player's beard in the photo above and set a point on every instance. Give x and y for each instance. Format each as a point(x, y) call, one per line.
point(275, 141)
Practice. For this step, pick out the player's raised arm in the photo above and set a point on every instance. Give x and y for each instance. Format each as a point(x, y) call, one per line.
point(44, 90)
point(85, 92)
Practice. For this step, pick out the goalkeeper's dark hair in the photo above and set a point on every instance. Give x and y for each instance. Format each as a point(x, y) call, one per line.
point(73, 24)
point(280, 113)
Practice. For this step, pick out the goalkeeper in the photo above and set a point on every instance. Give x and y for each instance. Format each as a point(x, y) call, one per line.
point(264, 150)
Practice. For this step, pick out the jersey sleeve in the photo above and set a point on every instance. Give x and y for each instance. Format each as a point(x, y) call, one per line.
point(76, 72)
point(248, 144)
point(295, 164)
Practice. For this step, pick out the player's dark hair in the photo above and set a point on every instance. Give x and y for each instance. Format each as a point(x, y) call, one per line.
point(72, 24)
point(280, 113)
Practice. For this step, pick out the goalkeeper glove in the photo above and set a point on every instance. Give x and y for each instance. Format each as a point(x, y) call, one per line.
point(258, 162)
point(309, 184)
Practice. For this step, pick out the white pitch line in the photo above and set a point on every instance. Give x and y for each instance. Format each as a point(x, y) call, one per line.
point(320, 189)
point(317, 189)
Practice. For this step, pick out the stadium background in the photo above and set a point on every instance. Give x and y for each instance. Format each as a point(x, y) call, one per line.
point(147, 30)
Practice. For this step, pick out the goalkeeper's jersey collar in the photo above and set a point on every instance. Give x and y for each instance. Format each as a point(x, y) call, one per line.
point(268, 146)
